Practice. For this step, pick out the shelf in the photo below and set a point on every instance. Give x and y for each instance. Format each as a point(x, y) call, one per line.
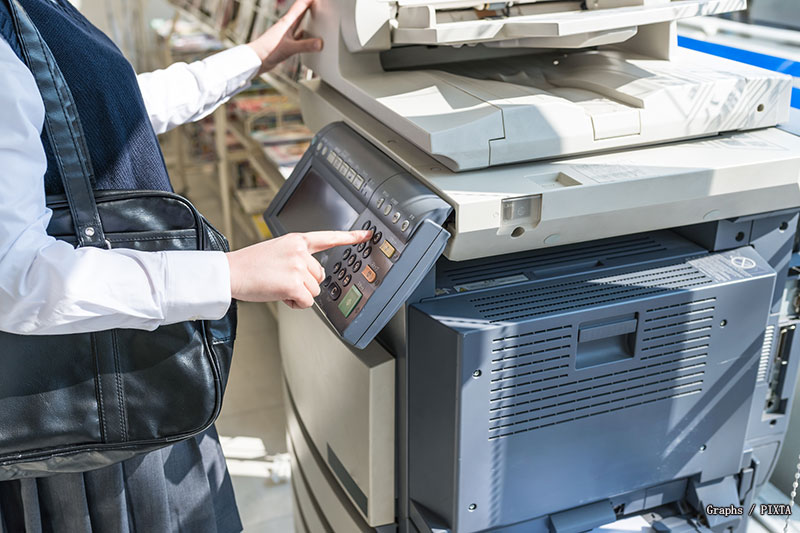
point(287, 87)
point(265, 167)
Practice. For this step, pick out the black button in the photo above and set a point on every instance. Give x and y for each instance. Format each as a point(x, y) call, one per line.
point(327, 281)
point(341, 273)
point(373, 229)
point(361, 246)
point(351, 260)
point(366, 224)
point(346, 280)
point(357, 267)
point(335, 291)
point(337, 267)
point(376, 237)
point(367, 252)
point(346, 253)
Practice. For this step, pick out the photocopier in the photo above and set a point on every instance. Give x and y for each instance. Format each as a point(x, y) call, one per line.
point(579, 303)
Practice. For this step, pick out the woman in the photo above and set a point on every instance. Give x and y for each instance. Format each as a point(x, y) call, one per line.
point(47, 287)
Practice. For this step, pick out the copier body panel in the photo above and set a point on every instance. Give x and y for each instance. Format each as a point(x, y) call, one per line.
point(582, 380)
point(551, 389)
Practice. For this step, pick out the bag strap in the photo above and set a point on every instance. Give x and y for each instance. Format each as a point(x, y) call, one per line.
point(63, 128)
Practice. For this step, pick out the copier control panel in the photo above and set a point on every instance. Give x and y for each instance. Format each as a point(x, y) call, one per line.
point(343, 182)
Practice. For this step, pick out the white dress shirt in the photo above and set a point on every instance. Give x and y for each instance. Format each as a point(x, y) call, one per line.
point(49, 287)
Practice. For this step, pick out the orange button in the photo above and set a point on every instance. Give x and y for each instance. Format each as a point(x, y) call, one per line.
point(369, 274)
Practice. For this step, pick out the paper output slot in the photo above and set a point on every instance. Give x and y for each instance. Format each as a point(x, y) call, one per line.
point(606, 342)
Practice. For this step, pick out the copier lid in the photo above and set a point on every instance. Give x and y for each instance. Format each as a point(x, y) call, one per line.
point(497, 111)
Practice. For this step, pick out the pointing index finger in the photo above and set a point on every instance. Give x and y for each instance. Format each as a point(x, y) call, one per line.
point(322, 240)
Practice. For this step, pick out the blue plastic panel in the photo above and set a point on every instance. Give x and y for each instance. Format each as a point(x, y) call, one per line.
point(774, 63)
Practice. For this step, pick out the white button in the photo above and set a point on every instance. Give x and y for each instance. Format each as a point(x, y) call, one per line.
point(395, 217)
point(358, 181)
point(344, 169)
point(331, 157)
point(351, 174)
point(380, 202)
point(387, 209)
point(404, 225)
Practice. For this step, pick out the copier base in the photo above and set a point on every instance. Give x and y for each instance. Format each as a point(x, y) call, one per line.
point(561, 390)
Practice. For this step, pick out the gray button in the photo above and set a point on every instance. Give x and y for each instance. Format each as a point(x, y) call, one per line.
point(395, 217)
point(358, 181)
point(380, 201)
point(404, 225)
point(387, 209)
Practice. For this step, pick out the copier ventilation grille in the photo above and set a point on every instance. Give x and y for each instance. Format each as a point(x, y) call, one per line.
point(584, 293)
point(609, 250)
point(533, 384)
point(766, 350)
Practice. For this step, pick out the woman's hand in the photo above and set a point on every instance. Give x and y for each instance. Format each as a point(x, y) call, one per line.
point(283, 268)
point(284, 39)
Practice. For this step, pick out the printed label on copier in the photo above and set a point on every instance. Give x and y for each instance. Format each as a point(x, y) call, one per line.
point(620, 170)
point(488, 283)
point(747, 141)
point(728, 266)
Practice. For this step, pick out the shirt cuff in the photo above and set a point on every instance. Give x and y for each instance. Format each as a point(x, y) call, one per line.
point(198, 286)
point(237, 65)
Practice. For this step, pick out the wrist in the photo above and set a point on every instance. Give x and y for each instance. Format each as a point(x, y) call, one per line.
point(257, 49)
point(233, 274)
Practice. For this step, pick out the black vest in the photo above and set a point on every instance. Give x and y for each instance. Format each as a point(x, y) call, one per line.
point(122, 144)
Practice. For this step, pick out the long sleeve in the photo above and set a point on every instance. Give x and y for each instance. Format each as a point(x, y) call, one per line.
point(184, 92)
point(49, 287)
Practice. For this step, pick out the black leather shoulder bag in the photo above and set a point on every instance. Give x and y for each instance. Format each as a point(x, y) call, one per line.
point(72, 403)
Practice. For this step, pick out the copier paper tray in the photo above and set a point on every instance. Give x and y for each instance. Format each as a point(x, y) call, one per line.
point(545, 380)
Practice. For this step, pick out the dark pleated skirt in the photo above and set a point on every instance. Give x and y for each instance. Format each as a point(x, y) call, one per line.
point(182, 488)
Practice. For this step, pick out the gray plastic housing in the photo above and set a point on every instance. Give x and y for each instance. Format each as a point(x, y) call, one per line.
point(628, 371)
point(404, 214)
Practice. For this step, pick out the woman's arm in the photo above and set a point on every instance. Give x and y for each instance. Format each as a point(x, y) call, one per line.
point(47, 286)
point(184, 92)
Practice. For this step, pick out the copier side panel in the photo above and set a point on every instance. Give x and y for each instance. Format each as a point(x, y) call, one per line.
point(574, 390)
